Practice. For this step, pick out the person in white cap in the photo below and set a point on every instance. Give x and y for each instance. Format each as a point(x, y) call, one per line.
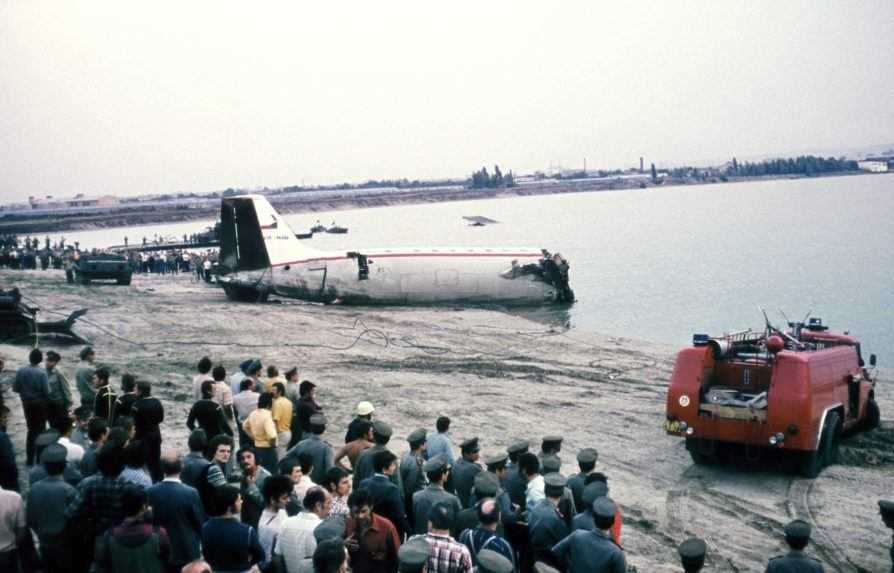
point(364, 412)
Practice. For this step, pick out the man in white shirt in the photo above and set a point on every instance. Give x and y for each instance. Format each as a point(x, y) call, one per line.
point(12, 528)
point(529, 466)
point(64, 424)
point(296, 543)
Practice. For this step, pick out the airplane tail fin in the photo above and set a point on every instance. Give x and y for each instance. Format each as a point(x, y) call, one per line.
point(254, 236)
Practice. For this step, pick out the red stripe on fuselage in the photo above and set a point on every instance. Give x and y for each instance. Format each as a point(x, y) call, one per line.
point(409, 255)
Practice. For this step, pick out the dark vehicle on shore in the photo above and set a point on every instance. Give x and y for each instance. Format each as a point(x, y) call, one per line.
point(18, 321)
point(103, 266)
point(796, 391)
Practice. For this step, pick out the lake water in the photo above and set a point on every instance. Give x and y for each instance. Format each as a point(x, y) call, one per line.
point(662, 264)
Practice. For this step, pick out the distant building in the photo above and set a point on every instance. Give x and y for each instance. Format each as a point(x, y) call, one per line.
point(876, 164)
point(78, 201)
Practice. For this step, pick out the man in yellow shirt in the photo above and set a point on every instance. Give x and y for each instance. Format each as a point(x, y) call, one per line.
point(262, 429)
point(282, 417)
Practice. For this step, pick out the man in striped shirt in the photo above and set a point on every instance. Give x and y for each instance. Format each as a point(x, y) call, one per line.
point(446, 555)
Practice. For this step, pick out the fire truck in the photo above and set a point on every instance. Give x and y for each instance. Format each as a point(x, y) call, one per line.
point(798, 391)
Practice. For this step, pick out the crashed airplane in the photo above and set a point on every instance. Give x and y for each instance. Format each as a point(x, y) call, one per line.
point(260, 255)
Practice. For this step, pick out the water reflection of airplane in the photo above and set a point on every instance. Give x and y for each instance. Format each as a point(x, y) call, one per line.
point(260, 255)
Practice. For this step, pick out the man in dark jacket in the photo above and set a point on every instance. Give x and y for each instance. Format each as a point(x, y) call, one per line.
point(208, 414)
point(228, 545)
point(33, 387)
point(135, 544)
point(47, 502)
point(385, 496)
point(177, 508)
point(148, 413)
point(9, 471)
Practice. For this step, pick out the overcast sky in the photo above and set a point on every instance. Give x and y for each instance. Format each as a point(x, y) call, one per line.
point(153, 97)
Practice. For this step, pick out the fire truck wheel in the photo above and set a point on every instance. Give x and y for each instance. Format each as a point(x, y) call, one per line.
point(700, 451)
point(873, 415)
point(813, 461)
point(832, 439)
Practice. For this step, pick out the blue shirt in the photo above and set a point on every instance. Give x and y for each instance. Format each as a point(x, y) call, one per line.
point(437, 444)
point(32, 384)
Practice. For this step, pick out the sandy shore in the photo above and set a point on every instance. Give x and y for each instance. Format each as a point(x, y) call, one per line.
point(499, 377)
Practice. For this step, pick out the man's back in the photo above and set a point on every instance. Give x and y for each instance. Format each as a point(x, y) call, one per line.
point(591, 551)
point(426, 499)
point(31, 383)
point(320, 451)
point(178, 509)
point(47, 501)
point(296, 541)
point(794, 562)
point(447, 555)
point(387, 501)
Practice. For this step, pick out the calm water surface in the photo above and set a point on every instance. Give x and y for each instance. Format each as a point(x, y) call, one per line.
point(661, 264)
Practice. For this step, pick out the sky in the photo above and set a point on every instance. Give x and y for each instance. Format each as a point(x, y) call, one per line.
point(130, 98)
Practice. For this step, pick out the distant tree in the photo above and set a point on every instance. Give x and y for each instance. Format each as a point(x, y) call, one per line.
point(497, 180)
point(654, 174)
point(735, 165)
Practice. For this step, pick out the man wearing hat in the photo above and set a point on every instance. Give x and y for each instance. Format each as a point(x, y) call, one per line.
point(490, 561)
point(595, 489)
point(515, 483)
point(70, 473)
point(47, 502)
point(485, 537)
point(546, 525)
point(487, 484)
point(413, 556)
point(586, 461)
point(551, 445)
point(411, 473)
point(436, 471)
point(446, 555)
point(364, 413)
point(552, 463)
point(84, 377)
point(317, 448)
point(381, 436)
point(692, 554)
point(797, 535)
point(240, 375)
point(465, 470)
point(587, 551)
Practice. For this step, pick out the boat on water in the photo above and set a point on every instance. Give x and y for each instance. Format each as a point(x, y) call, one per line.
point(336, 229)
point(318, 227)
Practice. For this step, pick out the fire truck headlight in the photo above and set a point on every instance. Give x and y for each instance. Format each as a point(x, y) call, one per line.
point(777, 438)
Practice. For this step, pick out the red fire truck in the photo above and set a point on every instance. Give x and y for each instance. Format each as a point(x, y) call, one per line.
point(797, 391)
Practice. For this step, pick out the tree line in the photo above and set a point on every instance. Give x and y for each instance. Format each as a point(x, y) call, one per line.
point(481, 179)
point(801, 165)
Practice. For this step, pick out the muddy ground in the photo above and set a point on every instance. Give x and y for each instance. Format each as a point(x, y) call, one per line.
point(499, 377)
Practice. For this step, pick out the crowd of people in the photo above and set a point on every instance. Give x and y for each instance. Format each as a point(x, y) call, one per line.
point(259, 489)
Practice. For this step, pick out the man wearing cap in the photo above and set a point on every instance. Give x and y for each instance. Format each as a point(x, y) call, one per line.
point(70, 473)
point(364, 469)
point(588, 551)
point(413, 556)
point(490, 561)
point(59, 389)
point(446, 555)
point(465, 470)
point(84, 377)
point(436, 471)
point(546, 525)
point(385, 496)
point(797, 536)
point(282, 417)
point(487, 484)
point(485, 536)
point(598, 487)
point(307, 405)
point(47, 501)
point(552, 463)
point(692, 554)
point(515, 483)
point(586, 461)
point(439, 443)
point(318, 449)
point(364, 413)
point(551, 445)
point(411, 472)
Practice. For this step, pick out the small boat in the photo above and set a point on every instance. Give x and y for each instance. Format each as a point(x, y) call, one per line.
point(308, 235)
point(318, 228)
point(336, 229)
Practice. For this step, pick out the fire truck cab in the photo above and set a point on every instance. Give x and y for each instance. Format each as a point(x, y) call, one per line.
point(797, 391)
